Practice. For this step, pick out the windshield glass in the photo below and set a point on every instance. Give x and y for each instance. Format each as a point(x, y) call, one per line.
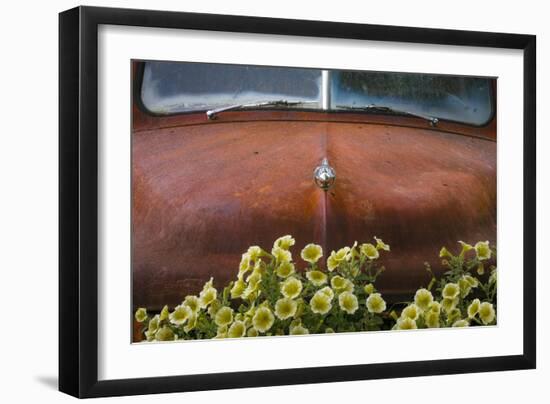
point(463, 99)
point(179, 87)
point(176, 87)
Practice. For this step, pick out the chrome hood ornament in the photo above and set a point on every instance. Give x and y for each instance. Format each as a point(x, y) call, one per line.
point(324, 175)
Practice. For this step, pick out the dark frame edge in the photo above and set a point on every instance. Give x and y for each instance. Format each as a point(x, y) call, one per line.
point(69, 82)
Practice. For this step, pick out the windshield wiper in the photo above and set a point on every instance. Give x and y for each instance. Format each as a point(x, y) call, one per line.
point(433, 121)
point(212, 113)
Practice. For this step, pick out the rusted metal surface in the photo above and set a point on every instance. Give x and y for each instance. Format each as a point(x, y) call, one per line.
point(203, 192)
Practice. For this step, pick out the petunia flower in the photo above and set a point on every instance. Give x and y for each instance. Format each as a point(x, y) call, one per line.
point(423, 298)
point(432, 319)
point(327, 291)
point(375, 303)
point(449, 304)
point(224, 316)
point(461, 323)
point(406, 323)
point(291, 287)
point(164, 313)
point(312, 253)
point(487, 313)
point(237, 330)
point(368, 288)
point(285, 308)
point(332, 262)
point(192, 302)
point(320, 303)
point(284, 242)
point(317, 278)
point(281, 255)
point(483, 251)
point(412, 311)
point(285, 269)
point(450, 291)
point(141, 315)
point(154, 324)
point(369, 251)
point(348, 302)
point(298, 330)
point(254, 252)
point(238, 288)
point(473, 308)
point(263, 319)
point(380, 245)
point(165, 334)
point(180, 314)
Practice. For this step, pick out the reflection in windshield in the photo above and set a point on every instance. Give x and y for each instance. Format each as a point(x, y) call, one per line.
point(178, 87)
point(174, 87)
point(464, 99)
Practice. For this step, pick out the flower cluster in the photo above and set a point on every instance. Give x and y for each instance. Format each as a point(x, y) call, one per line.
point(270, 296)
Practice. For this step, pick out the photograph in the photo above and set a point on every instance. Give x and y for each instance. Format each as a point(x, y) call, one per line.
point(277, 201)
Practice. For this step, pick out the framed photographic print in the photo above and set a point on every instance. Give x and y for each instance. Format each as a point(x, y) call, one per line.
point(251, 201)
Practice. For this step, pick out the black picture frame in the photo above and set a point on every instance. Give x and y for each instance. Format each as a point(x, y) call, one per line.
point(78, 200)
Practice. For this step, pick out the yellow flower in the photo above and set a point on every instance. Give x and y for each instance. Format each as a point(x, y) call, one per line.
point(244, 266)
point(454, 315)
point(332, 262)
point(312, 253)
point(327, 291)
point(252, 332)
point(193, 303)
point(406, 323)
point(423, 299)
point(284, 242)
point(263, 319)
point(483, 251)
point(141, 315)
point(338, 283)
point(343, 254)
point(412, 311)
point(238, 288)
point(465, 248)
point(164, 313)
point(493, 277)
point(473, 308)
point(375, 303)
point(450, 291)
point(369, 251)
point(208, 294)
point(368, 288)
point(443, 253)
point(165, 334)
point(432, 319)
point(285, 270)
point(221, 332)
point(317, 278)
point(380, 245)
point(348, 302)
point(285, 308)
point(237, 330)
point(291, 287)
point(449, 304)
point(473, 282)
point(154, 324)
point(254, 252)
point(299, 330)
point(215, 305)
point(435, 307)
point(487, 313)
point(465, 287)
point(224, 316)
point(281, 255)
point(461, 323)
point(180, 314)
point(191, 323)
point(320, 303)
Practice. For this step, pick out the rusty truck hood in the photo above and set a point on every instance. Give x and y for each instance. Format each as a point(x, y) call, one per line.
point(203, 193)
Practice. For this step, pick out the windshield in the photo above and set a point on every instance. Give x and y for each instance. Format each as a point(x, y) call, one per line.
point(463, 99)
point(177, 87)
